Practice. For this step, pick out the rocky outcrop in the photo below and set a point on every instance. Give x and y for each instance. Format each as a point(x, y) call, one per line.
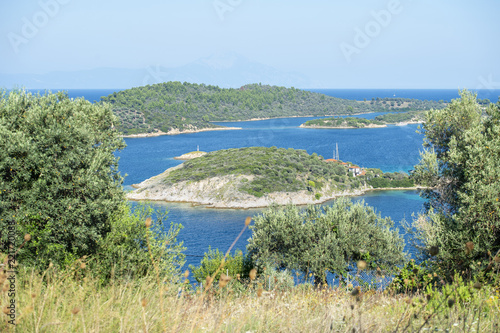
point(224, 192)
point(190, 156)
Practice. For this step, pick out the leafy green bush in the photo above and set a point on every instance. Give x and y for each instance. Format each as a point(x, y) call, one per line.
point(59, 178)
point(234, 265)
point(413, 277)
point(128, 249)
point(321, 239)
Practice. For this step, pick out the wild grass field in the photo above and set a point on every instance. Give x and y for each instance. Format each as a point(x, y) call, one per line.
point(59, 301)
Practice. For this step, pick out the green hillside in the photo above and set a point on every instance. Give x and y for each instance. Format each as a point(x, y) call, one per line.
point(183, 106)
point(342, 122)
point(389, 118)
point(279, 170)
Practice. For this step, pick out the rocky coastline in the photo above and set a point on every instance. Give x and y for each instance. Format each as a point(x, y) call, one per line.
point(177, 131)
point(222, 192)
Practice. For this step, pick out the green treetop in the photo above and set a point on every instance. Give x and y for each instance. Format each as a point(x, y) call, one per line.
point(462, 167)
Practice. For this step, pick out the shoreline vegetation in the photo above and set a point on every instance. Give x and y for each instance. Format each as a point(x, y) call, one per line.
point(177, 132)
point(190, 156)
point(397, 119)
point(175, 108)
point(259, 177)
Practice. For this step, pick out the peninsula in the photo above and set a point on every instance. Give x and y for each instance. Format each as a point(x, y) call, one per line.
point(258, 177)
point(176, 108)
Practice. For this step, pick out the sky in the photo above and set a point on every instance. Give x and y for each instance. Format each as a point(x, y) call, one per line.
point(335, 44)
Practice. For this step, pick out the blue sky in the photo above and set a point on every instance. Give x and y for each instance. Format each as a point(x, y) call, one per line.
point(336, 44)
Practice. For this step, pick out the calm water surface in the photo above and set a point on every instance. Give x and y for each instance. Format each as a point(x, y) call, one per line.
point(395, 148)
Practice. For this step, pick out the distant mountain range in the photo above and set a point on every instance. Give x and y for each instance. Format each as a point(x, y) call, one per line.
point(226, 70)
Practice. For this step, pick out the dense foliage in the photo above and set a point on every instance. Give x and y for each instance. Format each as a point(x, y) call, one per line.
point(58, 173)
point(175, 105)
point(391, 118)
point(342, 122)
point(377, 179)
point(60, 184)
point(462, 167)
point(274, 170)
point(233, 265)
point(127, 251)
point(321, 239)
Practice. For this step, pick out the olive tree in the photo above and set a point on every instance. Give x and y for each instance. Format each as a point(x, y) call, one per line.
point(320, 239)
point(461, 167)
point(59, 180)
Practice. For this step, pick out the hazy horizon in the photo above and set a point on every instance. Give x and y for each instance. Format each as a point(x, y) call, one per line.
point(392, 44)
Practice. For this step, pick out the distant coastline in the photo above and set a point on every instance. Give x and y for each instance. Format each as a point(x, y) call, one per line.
point(177, 132)
point(368, 126)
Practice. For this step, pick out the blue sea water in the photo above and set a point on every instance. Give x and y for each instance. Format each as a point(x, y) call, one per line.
point(422, 94)
point(394, 148)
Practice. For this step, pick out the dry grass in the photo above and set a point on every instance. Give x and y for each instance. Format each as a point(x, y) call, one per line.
point(73, 300)
point(57, 302)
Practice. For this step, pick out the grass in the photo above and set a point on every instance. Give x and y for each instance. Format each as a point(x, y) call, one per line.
point(74, 300)
point(50, 302)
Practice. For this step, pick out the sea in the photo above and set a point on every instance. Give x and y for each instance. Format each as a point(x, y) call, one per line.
point(393, 148)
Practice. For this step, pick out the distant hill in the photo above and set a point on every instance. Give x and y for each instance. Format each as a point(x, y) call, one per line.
point(400, 118)
point(175, 106)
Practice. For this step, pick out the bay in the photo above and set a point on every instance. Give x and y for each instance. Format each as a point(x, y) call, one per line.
point(394, 148)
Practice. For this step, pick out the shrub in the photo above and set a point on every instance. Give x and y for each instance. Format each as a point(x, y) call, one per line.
point(128, 249)
point(233, 265)
point(59, 176)
point(321, 239)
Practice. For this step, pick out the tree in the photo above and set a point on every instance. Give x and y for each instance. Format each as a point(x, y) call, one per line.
point(59, 180)
point(212, 260)
point(122, 253)
point(461, 167)
point(321, 239)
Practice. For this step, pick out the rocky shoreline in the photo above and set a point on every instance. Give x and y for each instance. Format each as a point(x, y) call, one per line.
point(222, 192)
point(342, 127)
point(190, 156)
point(177, 131)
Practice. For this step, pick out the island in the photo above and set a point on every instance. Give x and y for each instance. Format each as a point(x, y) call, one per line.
point(402, 118)
point(259, 177)
point(339, 122)
point(175, 108)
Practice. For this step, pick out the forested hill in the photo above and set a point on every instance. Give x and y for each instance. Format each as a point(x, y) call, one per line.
point(186, 106)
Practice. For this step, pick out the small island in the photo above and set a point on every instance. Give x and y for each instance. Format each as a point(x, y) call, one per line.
point(338, 122)
point(400, 118)
point(259, 177)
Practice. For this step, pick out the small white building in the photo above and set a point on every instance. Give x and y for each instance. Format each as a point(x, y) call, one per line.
point(356, 170)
